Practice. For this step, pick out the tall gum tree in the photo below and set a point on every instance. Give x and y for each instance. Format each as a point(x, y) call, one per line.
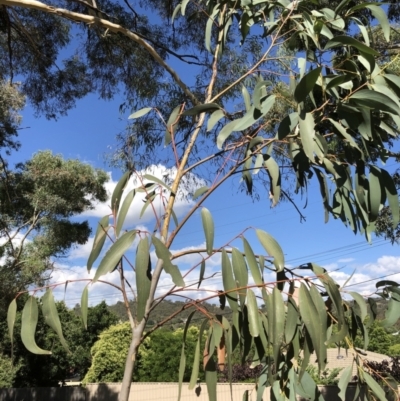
point(272, 89)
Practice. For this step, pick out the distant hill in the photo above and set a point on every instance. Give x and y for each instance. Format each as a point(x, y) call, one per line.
point(167, 308)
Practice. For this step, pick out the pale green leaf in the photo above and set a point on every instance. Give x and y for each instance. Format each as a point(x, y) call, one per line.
point(199, 192)
point(339, 80)
point(228, 281)
point(114, 254)
point(392, 313)
point(84, 306)
point(274, 177)
point(278, 322)
point(208, 227)
point(143, 277)
point(209, 26)
point(273, 249)
point(118, 190)
point(252, 263)
point(196, 360)
point(344, 380)
point(11, 313)
point(164, 254)
point(375, 193)
point(252, 309)
point(98, 242)
point(287, 125)
point(51, 317)
point(202, 270)
point(392, 196)
point(225, 132)
point(140, 113)
point(171, 125)
point(123, 211)
point(379, 13)
point(183, 6)
point(306, 85)
point(29, 321)
point(374, 386)
point(214, 118)
point(240, 273)
point(246, 98)
point(174, 14)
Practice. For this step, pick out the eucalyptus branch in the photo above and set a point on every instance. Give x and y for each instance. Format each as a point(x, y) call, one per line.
point(112, 27)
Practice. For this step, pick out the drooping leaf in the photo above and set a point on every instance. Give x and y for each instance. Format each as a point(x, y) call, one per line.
point(51, 317)
point(196, 360)
point(252, 263)
point(98, 242)
point(287, 125)
point(228, 281)
point(84, 306)
point(246, 98)
point(140, 113)
point(171, 125)
point(273, 249)
point(225, 132)
point(275, 178)
point(392, 313)
point(240, 273)
point(118, 190)
point(392, 196)
point(277, 324)
point(342, 40)
point(29, 321)
point(375, 193)
point(374, 386)
point(126, 204)
point(202, 270)
point(114, 254)
point(381, 16)
point(361, 303)
point(344, 381)
point(182, 363)
point(11, 313)
point(252, 310)
point(307, 134)
point(306, 85)
point(143, 277)
point(201, 108)
point(163, 253)
point(208, 227)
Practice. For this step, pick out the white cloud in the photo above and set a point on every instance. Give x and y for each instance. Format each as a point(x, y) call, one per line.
point(182, 202)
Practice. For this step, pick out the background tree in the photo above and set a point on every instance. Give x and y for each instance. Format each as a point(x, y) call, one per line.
point(30, 370)
point(283, 90)
point(38, 201)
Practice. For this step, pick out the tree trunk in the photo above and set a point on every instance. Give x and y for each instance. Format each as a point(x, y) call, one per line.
point(137, 333)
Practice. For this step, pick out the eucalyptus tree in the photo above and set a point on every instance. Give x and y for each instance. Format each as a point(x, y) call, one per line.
point(278, 89)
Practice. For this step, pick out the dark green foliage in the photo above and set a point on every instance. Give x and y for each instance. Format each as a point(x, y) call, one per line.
point(40, 371)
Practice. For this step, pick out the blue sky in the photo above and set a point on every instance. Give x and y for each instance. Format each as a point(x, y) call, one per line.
point(88, 133)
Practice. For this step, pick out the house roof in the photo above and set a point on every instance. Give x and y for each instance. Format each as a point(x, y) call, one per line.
point(342, 358)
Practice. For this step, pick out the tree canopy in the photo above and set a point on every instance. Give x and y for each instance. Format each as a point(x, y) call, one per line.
point(277, 93)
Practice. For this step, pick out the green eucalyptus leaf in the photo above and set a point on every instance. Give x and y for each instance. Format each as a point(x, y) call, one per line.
point(199, 192)
point(274, 177)
point(51, 317)
point(171, 125)
point(374, 386)
point(228, 281)
point(164, 254)
point(202, 108)
point(273, 249)
point(140, 113)
point(98, 242)
point(29, 321)
point(202, 270)
point(240, 273)
point(143, 277)
point(214, 118)
point(252, 263)
point(151, 178)
point(306, 85)
point(208, 227)
point(114, 254)
point(342, 40)
point(11, 314)
point(84, 306)
point(375, 101)
point(118, 190)
point(126, 204)
point(307, 134)
point(252, 310)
